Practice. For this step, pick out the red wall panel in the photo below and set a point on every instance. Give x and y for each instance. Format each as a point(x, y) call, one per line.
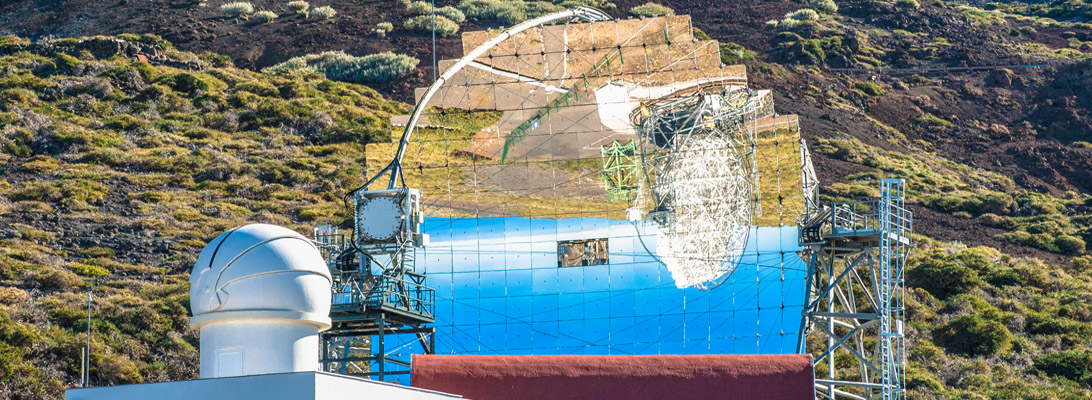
point(692, 377)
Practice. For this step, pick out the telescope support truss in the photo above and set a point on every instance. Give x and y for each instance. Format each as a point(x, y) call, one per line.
point(854, 295)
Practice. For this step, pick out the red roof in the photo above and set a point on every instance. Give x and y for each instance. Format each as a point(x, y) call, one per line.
point(692, 377)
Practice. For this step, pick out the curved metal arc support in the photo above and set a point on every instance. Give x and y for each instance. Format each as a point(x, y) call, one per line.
point(588, 14)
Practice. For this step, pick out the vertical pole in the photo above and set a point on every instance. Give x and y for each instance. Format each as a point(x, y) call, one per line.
point(801, 341)
point(87, 370)
point(433, 2)
point(324, 364)
point(382, 350)
point(432, 342)
point(830, 323)
point(345, 355)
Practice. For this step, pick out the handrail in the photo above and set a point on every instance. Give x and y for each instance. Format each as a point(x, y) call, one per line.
point(863, 215)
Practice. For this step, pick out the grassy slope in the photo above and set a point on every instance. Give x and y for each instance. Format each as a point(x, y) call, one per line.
point(115, 173)
point(111, 165)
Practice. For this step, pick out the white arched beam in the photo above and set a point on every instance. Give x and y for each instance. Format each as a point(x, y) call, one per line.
point(395, 167)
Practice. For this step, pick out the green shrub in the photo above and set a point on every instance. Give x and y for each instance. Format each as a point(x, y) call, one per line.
point(57, 279)
point(419, 7)
point(1075, 365)
point(13, 41)
point(98, 252)
point(506, 11)
point(383, 28)
point(299, 6)
point(324, 12)
point(191, 84)
point(93, 271)
point(933, 121)
point(1082, 264)
point(797, 19)
point(907, 3)
point(996, 203)
point(869, 88)
point(942, 275)
point(36, 191)
point(265, 16)
point(336, 65)
point(804, 14)
point(40, 164)
point(1067, 244)
point(424, 23)
point(920, 379)
point(451, 13)
point(827, 6)
point(732, 53)
point(30, 233)
point(651, 9)
point(973, 335)
point(238, 8)
point(700, 34)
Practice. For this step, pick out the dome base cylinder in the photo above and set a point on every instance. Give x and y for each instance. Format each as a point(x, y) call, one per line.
point(256, 347)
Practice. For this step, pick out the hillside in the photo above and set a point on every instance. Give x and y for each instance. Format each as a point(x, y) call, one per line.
point(115, 172)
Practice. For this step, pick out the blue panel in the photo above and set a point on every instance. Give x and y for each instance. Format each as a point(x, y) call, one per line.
point(646, 330)
point(622, 303)
point(493, 311)
point(672, 328)
point(570, 306)
point(596, 278)
point(492, 284)
point(569, 333)
point(492, 338)
point(671, 300)
point(596, 331)
point(697, 326)
point(545, 308)
point(544, 281)
point(518, 282)
point(466, 340)
point(544, 336)
point(646, 302)
point(596, 305)
point(519, 309)
point(519, 335)
point(466, 284)
point(570, 279)
point(500, 291)
point(492, 257)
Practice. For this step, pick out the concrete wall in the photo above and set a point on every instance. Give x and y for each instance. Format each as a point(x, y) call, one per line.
point(291, 386)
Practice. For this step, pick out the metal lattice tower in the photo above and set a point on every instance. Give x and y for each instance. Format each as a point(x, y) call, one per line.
point(376, 294)
point(854, 301)
point(699, 157)
point(620, 171)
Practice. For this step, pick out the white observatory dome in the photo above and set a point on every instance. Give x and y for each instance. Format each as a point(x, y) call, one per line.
point(260, 294)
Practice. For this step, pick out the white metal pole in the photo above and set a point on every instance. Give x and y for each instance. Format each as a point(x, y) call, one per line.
point(87, 371)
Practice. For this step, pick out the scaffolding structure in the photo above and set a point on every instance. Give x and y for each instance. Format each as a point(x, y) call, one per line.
point(856, 252)
point(376, 294)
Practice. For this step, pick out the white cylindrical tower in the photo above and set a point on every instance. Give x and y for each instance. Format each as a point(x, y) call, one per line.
point(260, 295)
